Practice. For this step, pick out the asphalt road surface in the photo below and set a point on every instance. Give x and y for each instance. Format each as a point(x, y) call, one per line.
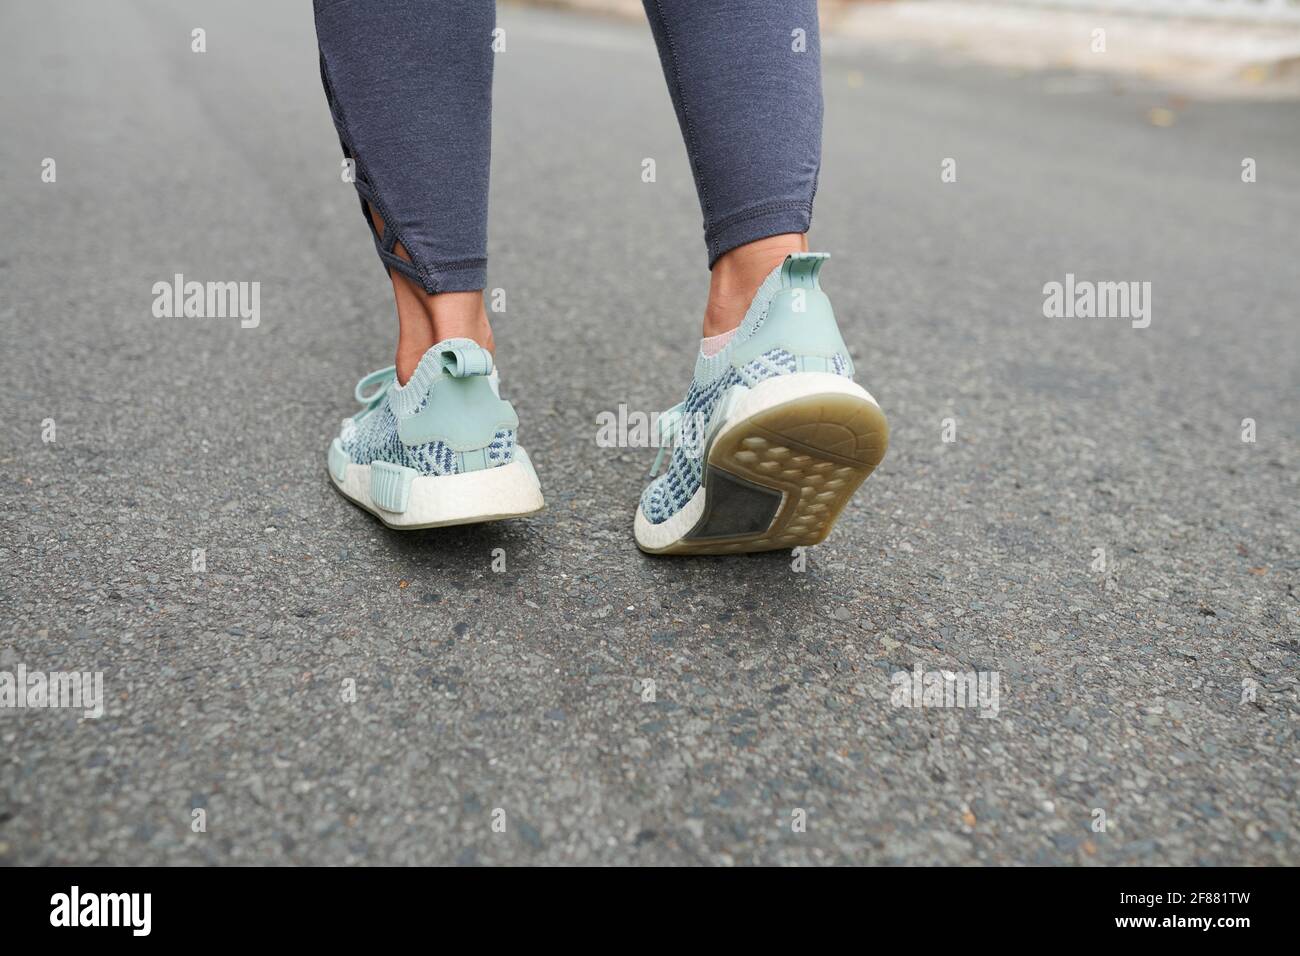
point(327, 691)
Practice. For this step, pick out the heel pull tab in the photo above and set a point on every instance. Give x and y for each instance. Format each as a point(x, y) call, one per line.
point(461, 358)
point(802, 269)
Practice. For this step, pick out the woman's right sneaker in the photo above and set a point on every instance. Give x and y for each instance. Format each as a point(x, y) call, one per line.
point(439, 450)
point(774, 436)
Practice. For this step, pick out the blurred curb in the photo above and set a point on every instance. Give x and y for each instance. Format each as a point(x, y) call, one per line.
point(1209, 55)
point(1243, 57)
point(616, 8)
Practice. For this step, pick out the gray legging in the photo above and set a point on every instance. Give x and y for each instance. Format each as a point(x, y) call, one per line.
point(409, 84)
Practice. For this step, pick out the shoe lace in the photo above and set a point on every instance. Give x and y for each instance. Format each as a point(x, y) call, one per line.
point(379, 380)
point(667, 427)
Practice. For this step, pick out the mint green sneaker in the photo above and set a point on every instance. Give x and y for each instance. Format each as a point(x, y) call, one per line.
point(774, 436)
point(439, 450)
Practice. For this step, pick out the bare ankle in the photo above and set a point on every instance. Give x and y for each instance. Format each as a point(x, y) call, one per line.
point(425, 319)
point(434, 319)
point(737, 275)
point(408, 357)
point(460, 315)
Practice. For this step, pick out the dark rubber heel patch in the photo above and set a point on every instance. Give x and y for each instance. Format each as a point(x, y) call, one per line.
point(734, 506)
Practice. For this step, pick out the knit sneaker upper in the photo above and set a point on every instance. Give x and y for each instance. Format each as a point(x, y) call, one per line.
point(375, 433)
point(717, 375)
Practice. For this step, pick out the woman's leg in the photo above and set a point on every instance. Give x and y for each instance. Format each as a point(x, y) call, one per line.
point(774, 436)
point(409, 84)
point(745, 79)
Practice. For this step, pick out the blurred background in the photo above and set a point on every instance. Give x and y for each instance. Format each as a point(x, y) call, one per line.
point(1223, 47)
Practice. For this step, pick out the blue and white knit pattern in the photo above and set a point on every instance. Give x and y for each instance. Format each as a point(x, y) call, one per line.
point(670, 492)
point(714, 377)
point(374, 437)
point(502, 449)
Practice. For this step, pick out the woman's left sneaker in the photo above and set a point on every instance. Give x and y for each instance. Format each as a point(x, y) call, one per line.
point(439, 450)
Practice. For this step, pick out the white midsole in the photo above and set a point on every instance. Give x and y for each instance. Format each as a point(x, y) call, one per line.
point(766, 394)
point(672, 529)
point(485, 495)
point(785, 388)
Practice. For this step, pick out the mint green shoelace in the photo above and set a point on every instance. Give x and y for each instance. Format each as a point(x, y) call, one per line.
point(380, 380)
